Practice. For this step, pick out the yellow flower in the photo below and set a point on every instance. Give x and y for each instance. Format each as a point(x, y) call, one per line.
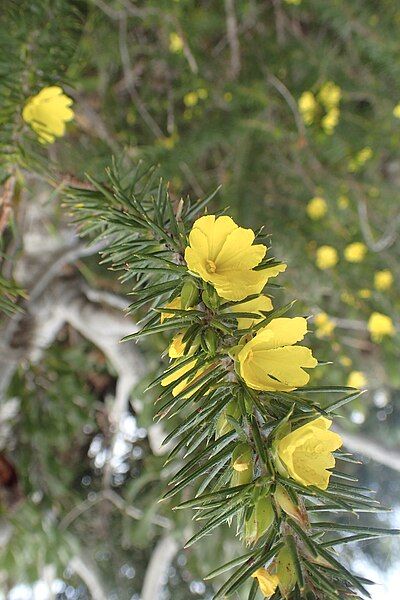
point(345, 361)
point(222, 253)
point(360, 159)
point(365, 293)
point(355, 252)
point(330, 120)
point(316, 208)
point(47, 113)
point(383, 280)
point(176, 347)
point(271, 361)
point(175, 42)
point(330, 95)
point(308, 107)
point(190, 99)
point(357, 380)
point(343, 202)
point(176, 304)
point(267, 582)
point(325, 325)
point(261, 303)
point(327, 257)
point(396, 111)
point(307, 452)
point(380, 325)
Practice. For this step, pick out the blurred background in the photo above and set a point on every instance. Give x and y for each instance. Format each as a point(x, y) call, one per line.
point(293, 107)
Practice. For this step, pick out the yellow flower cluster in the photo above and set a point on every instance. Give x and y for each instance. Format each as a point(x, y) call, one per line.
point(323, 105)
point(224, 255)
point(359, 160)
point(47, 113)
point(325, 325)
point(227, 272)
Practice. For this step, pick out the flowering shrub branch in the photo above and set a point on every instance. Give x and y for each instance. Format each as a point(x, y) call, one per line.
point(254, 444)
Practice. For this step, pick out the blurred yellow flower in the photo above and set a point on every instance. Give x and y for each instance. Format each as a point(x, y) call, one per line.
point(330, 120)
point(223, 254)
point(396, 111)
point(357, 380)
point(383, 280)
point(261, 303)
point(306, 453)
point(271, 360)
point(175, 42)
point(365, 293)
point(329, 95)
point(379, 326)
point(345, 361)
point(316, 208)
point(325, 325)
point(360, 159)
point(47, 113)
point(228, 97)
point(202, 93)
point(190, 99)
point(355, 252)
point(308, 107)
point(327, 257)
point(343, 202)
point(268, 582)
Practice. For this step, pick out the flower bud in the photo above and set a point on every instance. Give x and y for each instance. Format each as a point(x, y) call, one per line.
point(260, 520)
point(267, 582)
point(189, 294)
point(285, 571)
point(242, 465)
point(223, 426)
point(242, 457)
point(211, 341)
point(287, 504)
point(210, 297)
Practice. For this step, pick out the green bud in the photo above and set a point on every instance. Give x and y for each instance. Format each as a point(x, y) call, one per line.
point(223, 426)
point(211, 341)
point(242, 464)
point(285, 571)
point(260, 520)
point(210, 297)
point(288, 505)
point(189, 294)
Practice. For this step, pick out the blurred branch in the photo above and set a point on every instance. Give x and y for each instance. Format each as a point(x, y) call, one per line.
point(6, 202)
point(158, 567)
point(386, 240)
point(88, 573)
point(129, 79)
point(371, 449)
point(233, 38)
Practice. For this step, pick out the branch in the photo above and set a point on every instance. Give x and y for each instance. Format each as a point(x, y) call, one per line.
point(371, 449)
point(88, 573)
point(158, 567)
point(233, 38)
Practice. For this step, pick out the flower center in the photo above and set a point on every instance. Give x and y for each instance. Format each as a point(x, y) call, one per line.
point(211, 266)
